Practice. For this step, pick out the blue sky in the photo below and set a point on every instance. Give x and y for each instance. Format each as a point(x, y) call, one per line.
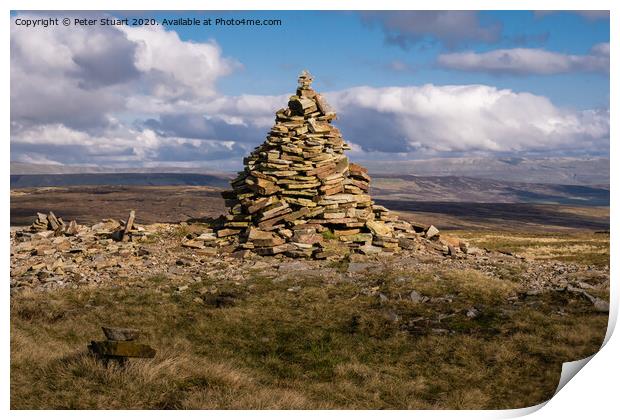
point(405, 84)
point(344, 51)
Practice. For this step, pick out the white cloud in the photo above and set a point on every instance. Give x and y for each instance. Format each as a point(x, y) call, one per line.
point(439, 119)
point(528, 61)
point(121, 141)
point(77, 93)
point(35, 158)
point(80, 76)
point(416, 121)
point(601, 49)
point(119, 145)
point(178, 68)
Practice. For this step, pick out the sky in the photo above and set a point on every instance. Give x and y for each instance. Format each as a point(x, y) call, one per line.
point(405, 84)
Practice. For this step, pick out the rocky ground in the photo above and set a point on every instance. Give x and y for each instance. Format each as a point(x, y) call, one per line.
point(185, 253)
point(484, 325)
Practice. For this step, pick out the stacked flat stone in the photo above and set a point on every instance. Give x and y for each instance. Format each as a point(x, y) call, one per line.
point(299, 187)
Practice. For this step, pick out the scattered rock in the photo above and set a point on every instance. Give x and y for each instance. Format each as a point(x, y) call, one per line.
point(369, 249)
point(176, 271)
point(241, 254)
point(379, 228)
point(408, 244)
point(120, 334)
point(417, 297)
point(600, 305)
point(293, 266)
point(357, 267)
point(472, 313)
point(431, 232)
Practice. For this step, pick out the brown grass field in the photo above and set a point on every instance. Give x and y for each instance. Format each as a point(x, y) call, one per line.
point(304, 342)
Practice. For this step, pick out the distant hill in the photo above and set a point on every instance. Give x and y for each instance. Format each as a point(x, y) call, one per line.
point(479, 190)
point(149, 179)
point(566, 171)
point(384, 187)
point(21, 168)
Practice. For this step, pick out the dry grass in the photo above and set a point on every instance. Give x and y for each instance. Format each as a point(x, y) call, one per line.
point(356, 343)
point(585, 248)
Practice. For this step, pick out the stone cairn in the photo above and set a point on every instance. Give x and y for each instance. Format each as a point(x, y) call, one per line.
point(299, 188)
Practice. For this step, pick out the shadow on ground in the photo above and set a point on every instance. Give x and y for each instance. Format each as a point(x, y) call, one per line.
point(505, 215)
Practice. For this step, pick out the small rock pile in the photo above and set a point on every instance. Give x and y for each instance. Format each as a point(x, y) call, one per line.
point(49, 222)
point(49, 225)
point(299, 187)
